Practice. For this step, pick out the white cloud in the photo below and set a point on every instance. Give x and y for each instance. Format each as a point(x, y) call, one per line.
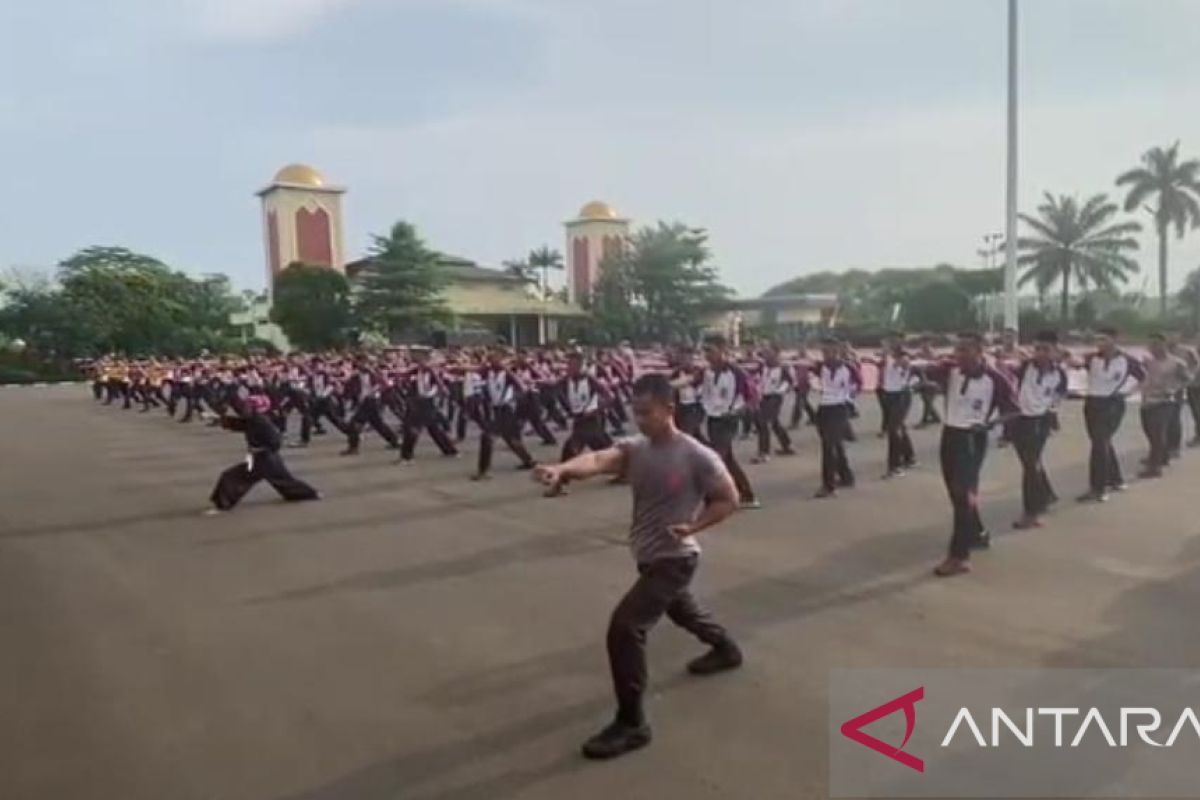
point(256, 20)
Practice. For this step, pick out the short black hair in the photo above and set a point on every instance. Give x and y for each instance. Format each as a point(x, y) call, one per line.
point(974, 337)
point(655, 387)
point(1046, 337)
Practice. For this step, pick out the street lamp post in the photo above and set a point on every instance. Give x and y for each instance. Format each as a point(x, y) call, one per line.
point(1010, 244)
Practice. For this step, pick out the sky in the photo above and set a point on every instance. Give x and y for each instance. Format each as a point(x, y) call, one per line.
point(802, 134)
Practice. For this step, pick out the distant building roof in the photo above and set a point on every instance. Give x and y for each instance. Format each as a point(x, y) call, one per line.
point(784, 301)
point(473, 290)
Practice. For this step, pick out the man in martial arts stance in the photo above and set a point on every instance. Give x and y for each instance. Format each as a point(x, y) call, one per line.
point(680, 487)
point(1041, 384)
point(585, 398)
point(974, 393)
point(1166, 377)
point(501, 393)
point(263, 462)
point(425, 388)
point(369, 386)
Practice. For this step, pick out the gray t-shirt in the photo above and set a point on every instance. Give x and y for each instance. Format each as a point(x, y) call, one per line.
point(669, 481)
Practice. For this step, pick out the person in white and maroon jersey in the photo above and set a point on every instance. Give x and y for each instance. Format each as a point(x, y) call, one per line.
point(1111, 374)
point(501, 393)
point(426, 388)
point(724, 392)
point(975, 394)
point(895, 398)
point(1041, 384)
point(775, 382)
point(840, 381)
point(585, 399)
point(689, 411)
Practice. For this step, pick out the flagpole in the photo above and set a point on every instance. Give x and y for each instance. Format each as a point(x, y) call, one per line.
point(1010, 243)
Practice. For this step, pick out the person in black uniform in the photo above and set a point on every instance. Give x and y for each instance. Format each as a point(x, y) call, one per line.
point(263, 463)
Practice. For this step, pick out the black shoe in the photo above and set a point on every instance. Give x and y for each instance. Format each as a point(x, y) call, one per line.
point(617, 740)
point(982, 542)
point(719, 659)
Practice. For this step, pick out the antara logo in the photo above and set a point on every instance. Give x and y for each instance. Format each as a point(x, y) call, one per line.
point(852, 729)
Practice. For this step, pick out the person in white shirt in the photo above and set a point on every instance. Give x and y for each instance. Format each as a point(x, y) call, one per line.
point(1041, 383)
point(839, 380)
point(775, 382)
point(1111, 375)
point(724, 392)
point(895, 399)
point(974, 394)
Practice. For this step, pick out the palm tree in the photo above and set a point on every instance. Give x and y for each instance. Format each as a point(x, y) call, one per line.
point(1175, 188)
point(545, 259)
point(1080, 241)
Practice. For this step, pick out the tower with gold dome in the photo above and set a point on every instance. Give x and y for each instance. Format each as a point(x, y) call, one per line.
point(597, 233)
point(302, 220)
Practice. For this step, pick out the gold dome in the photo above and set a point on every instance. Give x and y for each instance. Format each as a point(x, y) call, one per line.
point(299, 175)
point(598, 209)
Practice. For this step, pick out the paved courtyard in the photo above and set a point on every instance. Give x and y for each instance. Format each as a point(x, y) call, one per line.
point(418, 636)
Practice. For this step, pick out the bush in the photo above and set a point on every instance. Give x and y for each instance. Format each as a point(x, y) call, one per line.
point(13, 375)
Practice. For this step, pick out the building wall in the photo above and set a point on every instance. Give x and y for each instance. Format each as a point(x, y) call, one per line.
point(302, 225)
point(589, 241)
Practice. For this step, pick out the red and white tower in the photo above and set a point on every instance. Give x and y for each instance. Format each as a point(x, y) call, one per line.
point(302, 221)
point(597, 233)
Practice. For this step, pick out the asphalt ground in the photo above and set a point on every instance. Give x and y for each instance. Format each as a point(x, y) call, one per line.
point(419, 636)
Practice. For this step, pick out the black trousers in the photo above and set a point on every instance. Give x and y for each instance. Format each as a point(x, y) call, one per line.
point(587, 431)
point(505, 423)
point(529, 409)
point(962, 453)
point(423, 414)
point(895, 416)
point(267, 466)
point(768, 422)
point(1102, 417)
point(318, 408)
point(367, 413)
point(548, 396)
point(800, 405)
point(721, 433)
point(929, 414)
point(690, 419)
point(1029, 436)
point(1193, 401)
point(1156, 422)
point(1175, 428)
point(832, 425)
point(661, 588)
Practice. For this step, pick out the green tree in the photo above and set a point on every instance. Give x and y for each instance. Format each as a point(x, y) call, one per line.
point(938, 306)
point(664, 277)
point(1080, 241)
point(545, 259)
point(1189, 298)
point(401, 286)
point(1174, 188)
point(312, 306)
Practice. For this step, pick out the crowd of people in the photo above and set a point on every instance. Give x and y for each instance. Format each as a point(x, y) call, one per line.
point(690, 408)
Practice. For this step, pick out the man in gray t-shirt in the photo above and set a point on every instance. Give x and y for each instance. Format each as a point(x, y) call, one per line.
point(680, 487)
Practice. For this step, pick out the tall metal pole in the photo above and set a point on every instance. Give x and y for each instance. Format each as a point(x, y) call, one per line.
point(1010, 227)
